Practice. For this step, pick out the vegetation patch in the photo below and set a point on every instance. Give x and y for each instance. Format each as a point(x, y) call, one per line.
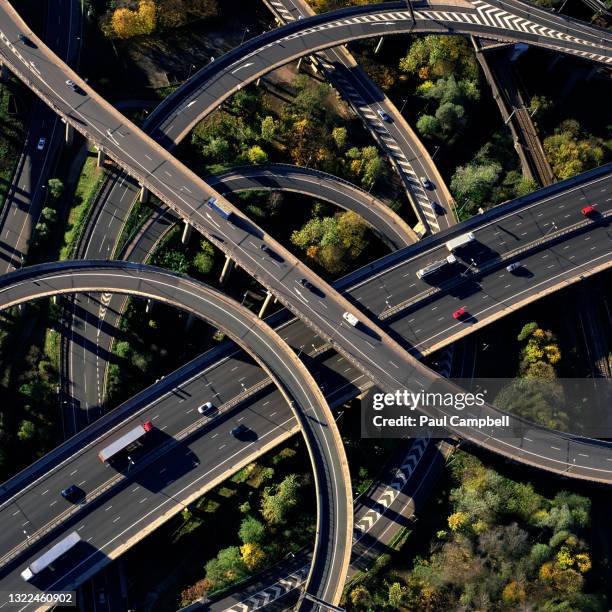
point(504, 547)
point(85, 193)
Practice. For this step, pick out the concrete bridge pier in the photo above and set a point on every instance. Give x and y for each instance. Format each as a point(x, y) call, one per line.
point(186, 233)
point(264, 306)
point(379, 45)
point(144, 194)
point(69, 134)
point(228, 266)
point(4, 73)
point(101, 158)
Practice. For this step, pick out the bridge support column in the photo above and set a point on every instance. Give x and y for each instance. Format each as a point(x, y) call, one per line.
point(299, 64)
point(69, 134)
point(379, 45)
point(149, 306)
point(228, 266)
point(264, 306)
point(189, 323)
point(186, 233)
point(101, 158)
point(4, 73)
point(144, 195)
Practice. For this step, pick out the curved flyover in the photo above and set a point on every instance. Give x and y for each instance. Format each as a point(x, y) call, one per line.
point(332, 478)
point(389, 226)
point(367, 346)
point(503, 21)
point(385, 223)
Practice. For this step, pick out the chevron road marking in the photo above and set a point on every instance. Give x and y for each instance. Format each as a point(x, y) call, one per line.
point(106, 300)
point(386, 499)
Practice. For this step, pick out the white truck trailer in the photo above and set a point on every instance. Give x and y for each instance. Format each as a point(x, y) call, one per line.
point(54, 553)
point(126, 440)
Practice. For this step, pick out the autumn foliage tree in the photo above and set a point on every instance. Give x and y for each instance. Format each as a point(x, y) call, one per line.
point(127, 23)
point(571, 151)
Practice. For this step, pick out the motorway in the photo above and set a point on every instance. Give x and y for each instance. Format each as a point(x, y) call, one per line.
point(368, 347)
point(397, 139)
point(508, 21)
point(84, 361)
point(298, 335)
point(124, 136)
point(175, 116)
point(26, 196)
point(334, 500)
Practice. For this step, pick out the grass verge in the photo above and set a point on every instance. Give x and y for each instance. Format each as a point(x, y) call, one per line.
point(85, 193)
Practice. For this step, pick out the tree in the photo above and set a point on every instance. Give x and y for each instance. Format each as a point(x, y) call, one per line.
point(252, 555)
point(472, 184)
point(226, 568)
point(126, 23)
point(204, 261)
point(397, 594)
point(257, 155)
point(172, 260)
point(339, 134)
point(269, 127)
point(26, 431)
point(457, 520)
point(252, 530)
point(332, 241)
point(48, 215)
point(451, 118)
point(436, 56)
point(56, 187)
point(429, 126)
point(360, 597)
point(570, 151)
point(527, 330)
point(277, 502)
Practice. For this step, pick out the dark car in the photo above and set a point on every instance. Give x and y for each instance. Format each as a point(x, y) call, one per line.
point(307, 284)
point(438, 208)
point(243, 433)
point(26, 41)
point(239, 430)
point(73, 494)
point(313, 288)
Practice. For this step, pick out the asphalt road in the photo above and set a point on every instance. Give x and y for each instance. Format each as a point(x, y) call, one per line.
point(91, 333)
point(173, 119)
point(298, 335)
point(402, 146)
point(389, 227)
point(366, 345)
point(26, 196)
point(503, 21)
point(334, 500)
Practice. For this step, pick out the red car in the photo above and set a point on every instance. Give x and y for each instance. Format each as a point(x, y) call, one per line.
point(459, 314)
point(589, 210)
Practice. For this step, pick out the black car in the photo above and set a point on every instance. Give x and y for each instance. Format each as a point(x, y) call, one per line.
point(73, 494)
point(438, 209)
point(239, 430)
point(26, 41)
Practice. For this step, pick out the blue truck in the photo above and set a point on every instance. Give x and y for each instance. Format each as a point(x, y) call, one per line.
point(220, 208)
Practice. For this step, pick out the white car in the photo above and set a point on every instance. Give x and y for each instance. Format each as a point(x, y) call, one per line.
point(41, 143)
point(350, 318)
point(513, 266)
point(204, 408)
